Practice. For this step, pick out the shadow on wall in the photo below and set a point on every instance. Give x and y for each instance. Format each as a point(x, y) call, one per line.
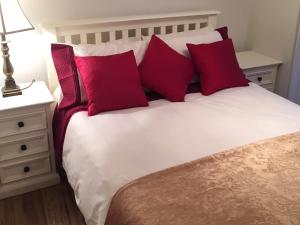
point(26, 55)
point(294, 93)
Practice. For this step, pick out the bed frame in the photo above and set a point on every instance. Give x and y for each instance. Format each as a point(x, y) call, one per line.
point(95, 31)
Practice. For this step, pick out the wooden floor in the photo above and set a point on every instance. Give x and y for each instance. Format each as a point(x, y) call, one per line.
point(51, 206)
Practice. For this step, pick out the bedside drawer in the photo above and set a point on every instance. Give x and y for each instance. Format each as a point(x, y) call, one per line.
point(261, 77)
point(24, 170)
point(23, 145)
point(269, 87)
point(22, 123)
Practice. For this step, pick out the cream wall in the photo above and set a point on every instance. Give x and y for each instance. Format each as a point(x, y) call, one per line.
point(272, 31)
point(26, 48)
point(266, 26)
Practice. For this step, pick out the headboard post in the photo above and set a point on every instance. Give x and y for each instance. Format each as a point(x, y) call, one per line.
point(212, 21)
point(49, 38)
point(95, 31)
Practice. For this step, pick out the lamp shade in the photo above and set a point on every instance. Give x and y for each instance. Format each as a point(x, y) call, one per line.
point(13, 19)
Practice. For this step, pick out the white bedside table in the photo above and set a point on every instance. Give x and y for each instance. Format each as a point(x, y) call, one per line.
point(259, 69)
point(26, 143)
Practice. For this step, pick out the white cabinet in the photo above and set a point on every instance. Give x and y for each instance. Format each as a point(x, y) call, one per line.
point(259, 69)
point(26, 143)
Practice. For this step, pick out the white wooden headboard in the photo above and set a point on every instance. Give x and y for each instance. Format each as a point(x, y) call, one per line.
point(95, 31)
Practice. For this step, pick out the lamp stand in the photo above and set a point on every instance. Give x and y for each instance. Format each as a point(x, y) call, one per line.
point(10, 88)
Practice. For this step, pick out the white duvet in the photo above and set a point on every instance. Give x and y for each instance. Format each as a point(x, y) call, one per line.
point(105, 152)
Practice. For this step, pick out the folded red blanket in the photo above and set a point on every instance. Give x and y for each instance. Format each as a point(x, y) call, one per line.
point(60, 123)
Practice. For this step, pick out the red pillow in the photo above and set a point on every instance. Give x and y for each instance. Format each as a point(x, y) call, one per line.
point(111, 82)
point(165, 71)
point(217, 66)
point(63, 58)
point(223, 32)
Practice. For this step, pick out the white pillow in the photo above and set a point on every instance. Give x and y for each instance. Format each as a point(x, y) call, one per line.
point(178, 42)
point(110, 48)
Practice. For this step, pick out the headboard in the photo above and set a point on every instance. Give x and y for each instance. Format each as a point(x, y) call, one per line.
point(95, 31)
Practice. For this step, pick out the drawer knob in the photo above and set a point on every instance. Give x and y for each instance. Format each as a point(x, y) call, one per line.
point(26, 169)
point(23, 147)
point(21, 124)
point(259, 79)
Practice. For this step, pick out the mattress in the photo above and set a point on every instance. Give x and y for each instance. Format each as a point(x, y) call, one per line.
point(105, 152)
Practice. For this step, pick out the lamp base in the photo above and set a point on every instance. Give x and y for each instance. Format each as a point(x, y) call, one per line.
point(10, 88)
point(8, 92)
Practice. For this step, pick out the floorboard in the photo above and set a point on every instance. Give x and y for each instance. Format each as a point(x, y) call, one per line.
point(51, 206)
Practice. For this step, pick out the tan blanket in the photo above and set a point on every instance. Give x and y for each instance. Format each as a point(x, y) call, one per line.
point(257, 184)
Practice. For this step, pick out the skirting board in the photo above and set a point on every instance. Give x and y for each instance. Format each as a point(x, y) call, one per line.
point(28, 185)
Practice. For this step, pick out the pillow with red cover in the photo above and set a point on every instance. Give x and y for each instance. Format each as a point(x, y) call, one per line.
point(217, 66)
point(63, 58)
point(223, 32)
point(165, 71)
point(111, 82)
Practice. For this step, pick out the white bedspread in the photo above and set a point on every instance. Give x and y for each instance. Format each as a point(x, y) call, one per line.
point(105, 152)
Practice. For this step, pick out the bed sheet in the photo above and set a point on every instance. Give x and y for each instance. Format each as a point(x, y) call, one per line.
point(103, 153)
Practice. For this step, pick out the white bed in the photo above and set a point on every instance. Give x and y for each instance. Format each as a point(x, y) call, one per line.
point(105, 152)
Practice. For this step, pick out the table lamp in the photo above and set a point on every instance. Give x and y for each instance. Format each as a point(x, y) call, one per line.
point(13, 20)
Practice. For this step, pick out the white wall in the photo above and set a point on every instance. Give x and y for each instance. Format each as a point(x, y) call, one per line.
point(266, 26)
point(272, 31)
point(26, 48)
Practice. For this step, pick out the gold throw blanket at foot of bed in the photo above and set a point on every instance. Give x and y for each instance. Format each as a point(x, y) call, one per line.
point(257, 184)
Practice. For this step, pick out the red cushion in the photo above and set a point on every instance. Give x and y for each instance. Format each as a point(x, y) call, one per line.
point(63, 58)
point(111, 82)
point(217, 66)
point(223, 32)
point(165, 71)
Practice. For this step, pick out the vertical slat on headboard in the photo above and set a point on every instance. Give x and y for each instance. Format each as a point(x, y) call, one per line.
point(112, 35)
point(138, 32)
point(83, 38)
point(125, 34)
point(150, 31)
point(98, 37)
point(185, 27)
point(174, 29)
point(68, 39)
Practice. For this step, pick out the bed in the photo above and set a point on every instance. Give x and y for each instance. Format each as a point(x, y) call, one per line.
point(102, 154)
